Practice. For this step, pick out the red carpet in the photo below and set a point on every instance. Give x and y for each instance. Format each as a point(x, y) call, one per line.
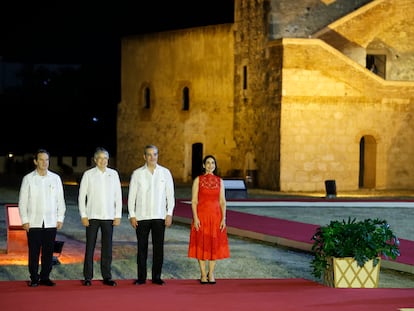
point(227, 294)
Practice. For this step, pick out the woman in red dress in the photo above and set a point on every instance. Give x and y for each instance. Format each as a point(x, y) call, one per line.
point(208, 235)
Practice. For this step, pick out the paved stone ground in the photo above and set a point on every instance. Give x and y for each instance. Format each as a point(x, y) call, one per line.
point(249, 259)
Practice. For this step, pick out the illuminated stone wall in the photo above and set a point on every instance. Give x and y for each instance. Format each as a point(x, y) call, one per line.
point(282, 95)
point(322, 100)
point(200, 59)
point(328, 105)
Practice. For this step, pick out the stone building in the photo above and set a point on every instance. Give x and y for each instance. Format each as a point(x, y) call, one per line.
point(286, 95)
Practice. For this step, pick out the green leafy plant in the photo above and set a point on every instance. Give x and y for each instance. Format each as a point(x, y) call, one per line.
point(364, 240)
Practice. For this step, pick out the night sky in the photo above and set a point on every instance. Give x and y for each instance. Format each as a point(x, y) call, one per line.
point(70, 109)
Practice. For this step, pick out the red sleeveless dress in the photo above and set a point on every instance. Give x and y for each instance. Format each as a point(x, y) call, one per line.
point(209, 242)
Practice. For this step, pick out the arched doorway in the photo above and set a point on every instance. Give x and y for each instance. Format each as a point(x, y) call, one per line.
point(196, 160)
point(367, 162)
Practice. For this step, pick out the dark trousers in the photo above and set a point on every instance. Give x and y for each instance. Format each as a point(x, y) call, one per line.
point(157, 229)
point(40, 240)
point(106, 227)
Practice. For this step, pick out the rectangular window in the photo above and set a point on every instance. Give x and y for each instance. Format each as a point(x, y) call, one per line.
point(244, 77)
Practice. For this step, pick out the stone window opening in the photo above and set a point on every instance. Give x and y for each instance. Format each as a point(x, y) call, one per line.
point(186, 99)
point(147, 98)
point(377, 64)
point(244, 77)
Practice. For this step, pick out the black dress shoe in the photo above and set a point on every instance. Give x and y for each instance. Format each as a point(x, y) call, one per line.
point(47, 282)
point(87, 283)
point(33, 284)
point(158, 282)
point(109, 282)
point(203, 280)
point(211, 280)
point(139, 282)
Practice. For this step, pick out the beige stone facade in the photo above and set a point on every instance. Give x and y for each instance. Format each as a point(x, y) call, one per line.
point(165, 65)
point(283, 95)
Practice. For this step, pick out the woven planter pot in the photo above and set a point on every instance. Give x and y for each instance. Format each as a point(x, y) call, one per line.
point(345, 273)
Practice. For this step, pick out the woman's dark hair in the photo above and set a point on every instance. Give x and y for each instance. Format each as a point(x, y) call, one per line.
point(204, 163)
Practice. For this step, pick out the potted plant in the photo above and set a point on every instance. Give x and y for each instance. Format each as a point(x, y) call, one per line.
point(362, 241)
